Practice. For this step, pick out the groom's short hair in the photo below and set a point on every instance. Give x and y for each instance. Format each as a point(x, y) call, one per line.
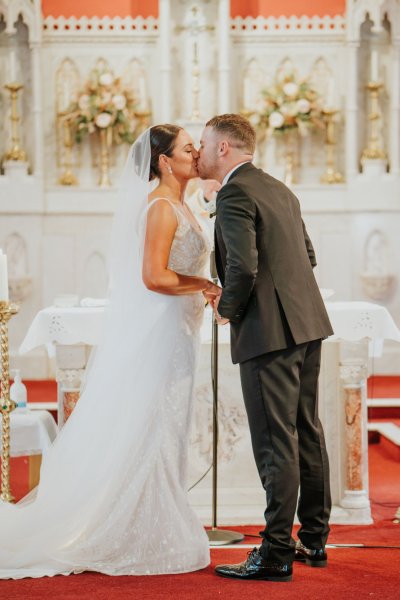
point(237, 129)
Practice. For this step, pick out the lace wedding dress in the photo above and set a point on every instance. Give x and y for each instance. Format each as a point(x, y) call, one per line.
point(113, 490)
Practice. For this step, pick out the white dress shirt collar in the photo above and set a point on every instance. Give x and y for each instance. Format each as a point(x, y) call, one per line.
point(225, 180)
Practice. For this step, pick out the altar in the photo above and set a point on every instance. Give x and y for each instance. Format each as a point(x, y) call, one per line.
point(360, 328)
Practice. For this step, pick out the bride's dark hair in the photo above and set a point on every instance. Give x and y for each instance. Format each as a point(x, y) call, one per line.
point(162, 141)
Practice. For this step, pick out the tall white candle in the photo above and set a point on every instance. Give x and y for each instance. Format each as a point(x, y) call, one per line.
point(13, 66)
point(330, 96)
point(3, 277)
point(374, 66)
point(247, 94)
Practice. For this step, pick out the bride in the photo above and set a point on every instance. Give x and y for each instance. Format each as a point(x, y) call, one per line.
point(112, 496)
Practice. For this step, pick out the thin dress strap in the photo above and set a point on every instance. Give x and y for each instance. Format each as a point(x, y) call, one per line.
point(149, 204)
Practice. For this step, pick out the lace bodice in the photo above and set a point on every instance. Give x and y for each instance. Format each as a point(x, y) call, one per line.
point(191, 247)
point(190, 255)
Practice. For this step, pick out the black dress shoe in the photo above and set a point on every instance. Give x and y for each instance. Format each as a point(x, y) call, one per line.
point(256, 567)
point(312, 558)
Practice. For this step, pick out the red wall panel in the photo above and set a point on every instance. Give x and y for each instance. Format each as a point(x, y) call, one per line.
point(100, 8)
point(276, 8)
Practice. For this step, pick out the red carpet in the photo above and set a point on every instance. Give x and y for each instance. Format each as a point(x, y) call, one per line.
point(353, 574)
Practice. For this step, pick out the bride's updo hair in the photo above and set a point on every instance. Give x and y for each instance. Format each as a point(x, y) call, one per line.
point(162, 141)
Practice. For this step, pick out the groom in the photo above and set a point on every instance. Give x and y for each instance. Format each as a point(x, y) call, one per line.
point(270, 297)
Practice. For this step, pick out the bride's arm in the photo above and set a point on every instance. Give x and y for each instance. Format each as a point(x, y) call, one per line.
point(160, 232)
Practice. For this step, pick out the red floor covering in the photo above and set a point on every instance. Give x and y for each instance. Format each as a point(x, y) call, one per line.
point(352, 573)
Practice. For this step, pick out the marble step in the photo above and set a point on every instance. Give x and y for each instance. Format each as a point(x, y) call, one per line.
point(383, 402)
point(389, 437)
point(42, 406)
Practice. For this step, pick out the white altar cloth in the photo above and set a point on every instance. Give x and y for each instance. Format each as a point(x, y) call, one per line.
point(32, 432)
point(82, 325)
point(67, 326)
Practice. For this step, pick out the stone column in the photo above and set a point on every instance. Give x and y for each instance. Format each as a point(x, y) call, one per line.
point(71, 363)
point(352, 146)
point(224, 20)
point(353, 375)
point(164, 20)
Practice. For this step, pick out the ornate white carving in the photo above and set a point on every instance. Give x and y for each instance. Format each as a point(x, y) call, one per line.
point(289, 25)
point(358, 10)
point(20, 284)
point(94, 26)
point(378, 276)
point(31, 13)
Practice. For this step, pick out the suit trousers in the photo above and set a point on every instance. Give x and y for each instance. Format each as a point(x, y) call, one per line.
point(280, 391)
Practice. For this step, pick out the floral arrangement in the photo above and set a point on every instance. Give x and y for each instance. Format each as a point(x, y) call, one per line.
point(104, 104)
point(289, 105)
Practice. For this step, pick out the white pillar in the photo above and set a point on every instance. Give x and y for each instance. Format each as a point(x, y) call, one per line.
point(164, 19)
point(353, 374)
point(37, 109)
point(224, 22)
point(352, 148)
point(394, 152)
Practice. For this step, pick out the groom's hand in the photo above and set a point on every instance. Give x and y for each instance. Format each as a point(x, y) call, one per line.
point(220, 320)
point(212, 292)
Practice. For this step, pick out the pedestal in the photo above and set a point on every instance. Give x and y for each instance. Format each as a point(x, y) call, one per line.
point(16, 169)
point(372, 168)
point(71, 363)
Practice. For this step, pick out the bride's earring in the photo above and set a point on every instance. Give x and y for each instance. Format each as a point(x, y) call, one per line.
point(169, 169)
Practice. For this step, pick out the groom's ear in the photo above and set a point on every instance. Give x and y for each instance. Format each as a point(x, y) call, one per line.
point(223, 148)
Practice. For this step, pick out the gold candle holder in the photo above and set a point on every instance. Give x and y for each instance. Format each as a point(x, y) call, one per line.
point(15, 153)
point(104, 181)
point(290, 170)
point(67, 177)
point(331, 174)
point(373, 150)
point(7, 310)
point(143, 119)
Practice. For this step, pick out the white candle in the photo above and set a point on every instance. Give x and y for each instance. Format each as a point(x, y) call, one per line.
point(330, 96)
point(13, 66)
point(3, 277)
point(142, 93)
point(374, 66)
point(247, 94)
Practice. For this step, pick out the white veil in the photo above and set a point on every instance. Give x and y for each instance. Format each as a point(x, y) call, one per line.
point(93, 474)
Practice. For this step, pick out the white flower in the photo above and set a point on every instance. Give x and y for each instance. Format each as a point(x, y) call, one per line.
point(276, 120)
point(303, 106)
point(106, 79)
point(105, 98)
point(103, 120)
point(83, 102)
point(119, 101)
point(290, 88)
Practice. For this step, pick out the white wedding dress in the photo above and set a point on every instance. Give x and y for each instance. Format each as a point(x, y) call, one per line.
point(113, 491)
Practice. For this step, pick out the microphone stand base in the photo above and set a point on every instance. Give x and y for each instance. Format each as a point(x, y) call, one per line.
point(222, 537)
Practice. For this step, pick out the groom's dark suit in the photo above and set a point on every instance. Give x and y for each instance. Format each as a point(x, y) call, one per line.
point(264, 259)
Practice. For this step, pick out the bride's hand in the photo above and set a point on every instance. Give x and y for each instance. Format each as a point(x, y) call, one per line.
point(211, 292)
point(220, 320)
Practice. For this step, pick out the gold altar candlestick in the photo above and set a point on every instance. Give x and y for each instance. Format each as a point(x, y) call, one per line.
point(331, 175)
point(104, 181)
point(67, 177)
point(7, 310)
point(143, 118)
point(16, 152)
point(373, 149)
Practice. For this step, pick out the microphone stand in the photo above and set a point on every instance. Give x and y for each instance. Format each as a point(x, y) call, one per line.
point(216, 536)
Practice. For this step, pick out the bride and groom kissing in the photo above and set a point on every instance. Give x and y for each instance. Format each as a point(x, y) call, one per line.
point(113, 489)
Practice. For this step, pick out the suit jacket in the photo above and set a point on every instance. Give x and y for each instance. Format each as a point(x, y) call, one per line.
point(265, 262)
